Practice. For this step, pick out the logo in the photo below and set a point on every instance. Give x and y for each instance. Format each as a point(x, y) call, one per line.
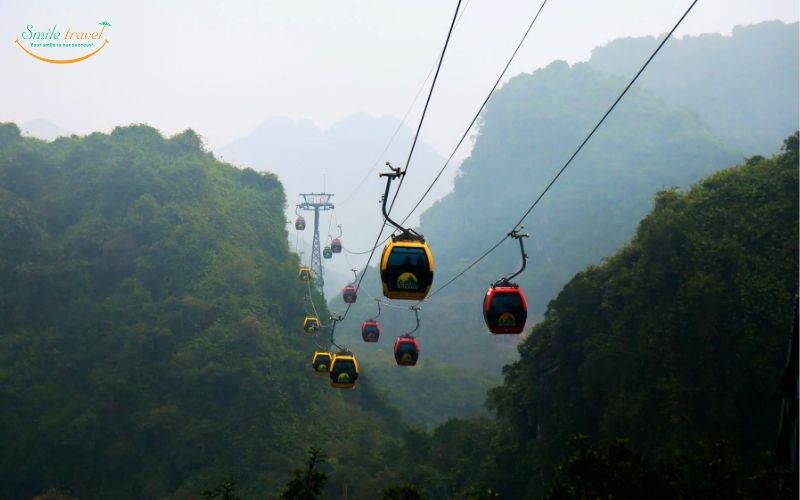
point(52, 45)
point(507, 319)
point(407, 281)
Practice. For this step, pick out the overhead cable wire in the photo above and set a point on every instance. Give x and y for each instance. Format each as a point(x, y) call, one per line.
point(413, 145)
point(572, 157)
point(427, 102)
point(474, 119)
point(402, 121)
point(480, 109)
point(599, 123)
point(385, 303)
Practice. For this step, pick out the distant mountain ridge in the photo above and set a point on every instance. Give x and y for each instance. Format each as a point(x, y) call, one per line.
point(43, 129)
point(745, 86)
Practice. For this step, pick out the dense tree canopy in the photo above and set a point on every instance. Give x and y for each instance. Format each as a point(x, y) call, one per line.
point(149, 325)
point(676, 345)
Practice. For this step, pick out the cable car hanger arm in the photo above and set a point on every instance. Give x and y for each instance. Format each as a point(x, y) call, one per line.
point(334, 319)
point(517, 236)
point(379, 309)
point(390, 176)
point(414, 308)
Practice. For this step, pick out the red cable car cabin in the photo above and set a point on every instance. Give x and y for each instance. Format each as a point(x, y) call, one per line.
point(300, 223)
point(505, 309)
point(336, 245)
point(406, 351)
point(370, 330)
point(349, 294)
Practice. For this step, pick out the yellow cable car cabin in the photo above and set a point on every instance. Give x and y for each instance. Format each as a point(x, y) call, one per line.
point(406, 269)
point(344, 371)
point(304, 274)
point(321, 362)
point(311, 324)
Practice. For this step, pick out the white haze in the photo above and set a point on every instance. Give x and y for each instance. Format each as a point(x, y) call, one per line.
point(226, 68)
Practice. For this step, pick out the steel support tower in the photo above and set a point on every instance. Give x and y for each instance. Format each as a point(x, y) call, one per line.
point(316, 202)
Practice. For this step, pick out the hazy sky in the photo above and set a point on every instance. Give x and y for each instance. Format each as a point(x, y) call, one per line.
point(224, 67)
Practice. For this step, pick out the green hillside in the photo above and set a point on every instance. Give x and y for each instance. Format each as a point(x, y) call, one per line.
point(666, 357)
point(527, 132)
point(149, 327)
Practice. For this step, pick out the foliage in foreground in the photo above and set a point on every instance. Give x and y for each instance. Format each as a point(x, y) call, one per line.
point(149, 335)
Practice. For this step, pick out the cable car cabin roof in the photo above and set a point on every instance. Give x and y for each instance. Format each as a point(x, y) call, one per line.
point(406, 351)
point(505, 309)
point(311, 324)
point(321, 362)
point(370, 330)
point(344, 371)
point(406, 270)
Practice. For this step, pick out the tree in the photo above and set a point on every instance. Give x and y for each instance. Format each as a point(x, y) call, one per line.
point(306, 484)
point(225, 490)
point(611, 471)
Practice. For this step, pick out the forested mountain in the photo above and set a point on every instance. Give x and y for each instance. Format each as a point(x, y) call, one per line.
point(150, 311)
point(149, 327)
point(666, 357)
point(528, 131)
point(744, 86)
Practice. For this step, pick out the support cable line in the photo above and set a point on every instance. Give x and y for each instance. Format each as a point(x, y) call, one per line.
point(427, 102)
point(373, 297)
point(480, 110)
point(571, 158)
point(471, 124)
point(399, 125)
point(411, 151)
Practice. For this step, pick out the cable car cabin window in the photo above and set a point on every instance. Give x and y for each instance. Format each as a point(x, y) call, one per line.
point(406, 347)
point(408, 257)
